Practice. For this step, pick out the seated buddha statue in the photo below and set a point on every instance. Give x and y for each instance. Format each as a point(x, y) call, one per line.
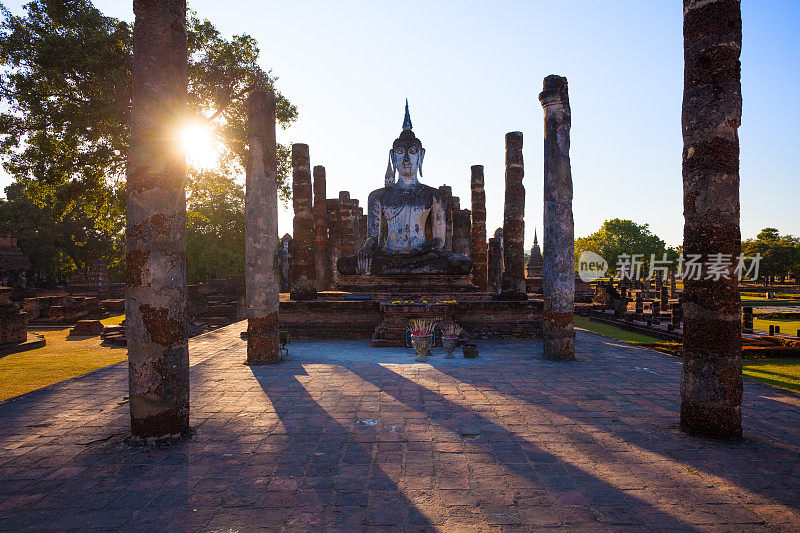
point(405, 221)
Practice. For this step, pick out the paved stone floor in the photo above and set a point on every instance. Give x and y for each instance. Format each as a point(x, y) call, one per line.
point(345, 437)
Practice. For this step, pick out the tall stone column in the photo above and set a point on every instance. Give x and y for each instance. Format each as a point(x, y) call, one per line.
point(495, 263)
point(155, 299)
point(347, 217)
point(262, 280)
point(303, 274)
point(478, 229)
point(711, 384)
point(334, 237)
point(558, 269)
point(447, 195)
point(513, 284)
point(462, 222)
point(322, 261)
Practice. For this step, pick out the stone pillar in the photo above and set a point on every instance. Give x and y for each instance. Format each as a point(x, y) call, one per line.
point(664, 297)
point(322, 262)
point(155, 300)
point(495, 265)
point(447, 195)
point(513, 284)
point(676, 310)
point(747, 319)
point(347, 220)
point(711, 383)
point(462, 221)
point(639, 303)
point(334, 237)
point(478, 230)
point(303, 274)
point(285, 261)
point(673, 285)
point(262, 280)
point(558, 276)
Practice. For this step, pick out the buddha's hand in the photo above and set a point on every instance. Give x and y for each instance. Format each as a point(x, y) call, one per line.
point(431, 245)
point(364, 257)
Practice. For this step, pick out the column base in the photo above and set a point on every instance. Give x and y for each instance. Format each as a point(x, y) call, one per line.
point(164, 429)
point(559, 337)
point(263, 342)
point(713, 422)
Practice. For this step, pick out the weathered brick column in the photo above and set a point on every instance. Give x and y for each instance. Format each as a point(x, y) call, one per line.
point(347, 221)
point(711, 384)
point(155, 300)
point(262, 280)
point(334, 237)
point(322, 262)
point(447, 195)
point(462, 222)
point(495, 265)
point(558, 269)
point(478, 230)
point(302, 274)
point(513, 279)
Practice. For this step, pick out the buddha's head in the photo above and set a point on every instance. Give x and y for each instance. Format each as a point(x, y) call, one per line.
point(407, 153)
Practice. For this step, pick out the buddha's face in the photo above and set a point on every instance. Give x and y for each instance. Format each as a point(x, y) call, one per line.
point(407, 160)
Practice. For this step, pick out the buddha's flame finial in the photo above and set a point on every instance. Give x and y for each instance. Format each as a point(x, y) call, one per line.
point(535, 242)
point(407, 119)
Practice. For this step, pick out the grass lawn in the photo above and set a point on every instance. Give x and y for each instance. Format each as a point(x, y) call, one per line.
point(787, 326)
point(783, 373)
point(62, 358)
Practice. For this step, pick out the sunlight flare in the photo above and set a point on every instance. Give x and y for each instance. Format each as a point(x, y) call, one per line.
point(202, 149)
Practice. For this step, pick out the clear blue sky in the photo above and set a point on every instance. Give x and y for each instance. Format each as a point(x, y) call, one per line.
point(472, 71)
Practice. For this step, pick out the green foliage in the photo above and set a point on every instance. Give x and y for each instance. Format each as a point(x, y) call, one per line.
point(66, 95)
point(617, 237)
point(780, 254)
point(215, 226)
point(65, 127)
point(221, 75)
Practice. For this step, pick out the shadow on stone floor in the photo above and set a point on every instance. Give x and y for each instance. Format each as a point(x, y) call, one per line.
point(762, 464)
point(570, 488)
point(336, 457)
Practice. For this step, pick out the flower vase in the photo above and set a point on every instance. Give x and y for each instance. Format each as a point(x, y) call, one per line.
point(421, 345)
point(449, 344)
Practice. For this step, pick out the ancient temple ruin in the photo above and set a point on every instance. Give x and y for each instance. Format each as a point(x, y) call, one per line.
point(414, 254)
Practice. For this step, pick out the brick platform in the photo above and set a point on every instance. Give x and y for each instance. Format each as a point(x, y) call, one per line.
point(351, 438)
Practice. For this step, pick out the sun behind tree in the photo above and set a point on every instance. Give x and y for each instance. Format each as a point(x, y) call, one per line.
point(201, 147)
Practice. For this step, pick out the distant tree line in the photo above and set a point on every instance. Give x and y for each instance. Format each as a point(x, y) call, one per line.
point(619, 237)
point(780, 254)
point(65, 88)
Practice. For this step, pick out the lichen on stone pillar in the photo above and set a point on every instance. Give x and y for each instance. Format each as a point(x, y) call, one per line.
point(513, 278)
point(478, 229)
point(262, 278)
point(495, 264)
point(558, 254)
point(462, 220)
point(711, 383)
point(322, 261)
point(155, 302)
point(303, 274)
